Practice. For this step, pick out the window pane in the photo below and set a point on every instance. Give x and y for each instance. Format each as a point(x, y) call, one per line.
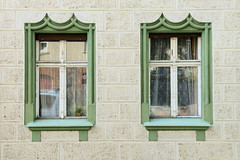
point(187, 91)
point(76, 51)
point(49, 51)
point(76, 91)
point(49, 92)
point(160, 49)
point(160, 92)
point(187, 48)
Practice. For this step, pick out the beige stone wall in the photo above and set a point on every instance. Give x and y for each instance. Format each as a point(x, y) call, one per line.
point(118, 133)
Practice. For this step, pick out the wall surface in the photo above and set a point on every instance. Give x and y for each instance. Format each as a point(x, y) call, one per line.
point(118, 133)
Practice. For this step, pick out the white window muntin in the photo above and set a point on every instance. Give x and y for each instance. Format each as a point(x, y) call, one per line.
point(173, 63)
point(62, 78)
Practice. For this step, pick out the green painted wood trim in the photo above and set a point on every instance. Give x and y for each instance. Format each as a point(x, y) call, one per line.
point(46, 25)
point(83, 135)
point(72, 22)
point(159, 128)
point(92, 110)
point(36, 136)
point(144, 112)
point(152, 135)
point(205, 41)
point(144, 74)
point(188, 25)
point(177, 122)
point(163, 22)
point(60, 123)
point(91, 75)
point(200, 135)
point(145, 64)
point(203, 81)
point(208, 108)
point(90, 66)
point(79, 128)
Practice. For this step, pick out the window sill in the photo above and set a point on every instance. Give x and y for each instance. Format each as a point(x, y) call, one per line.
point(196, 124)
point(81, 125)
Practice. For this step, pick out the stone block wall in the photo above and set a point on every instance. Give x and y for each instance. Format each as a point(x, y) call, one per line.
point(118, 133)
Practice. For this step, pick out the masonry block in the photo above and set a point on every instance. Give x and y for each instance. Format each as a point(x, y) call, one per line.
point(107, 40)
point(119, 131)
point(205, 151)
point(12, 39)
point(89, 150)
point(29, 151)
point(7, 132)
point(232, 131)
point(188, 4)
point(12, 75)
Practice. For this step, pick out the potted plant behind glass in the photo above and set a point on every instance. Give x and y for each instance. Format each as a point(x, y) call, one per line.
point(78, 112)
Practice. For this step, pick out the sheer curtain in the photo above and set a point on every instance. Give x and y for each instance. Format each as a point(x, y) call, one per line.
point(187, 78)
point(49, 92)
point(160, 89)
point(76, 91)
point(160, 49)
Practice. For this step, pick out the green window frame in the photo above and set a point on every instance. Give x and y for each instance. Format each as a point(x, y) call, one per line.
point(188, 25)
point(48, 26)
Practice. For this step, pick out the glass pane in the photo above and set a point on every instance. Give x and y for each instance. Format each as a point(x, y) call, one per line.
point(76, 91)
point(187, 91)
point(160, 49)
point(49, 51)
point(160, 92)
point(49, 92)
point(187, 48)
point(76, 51)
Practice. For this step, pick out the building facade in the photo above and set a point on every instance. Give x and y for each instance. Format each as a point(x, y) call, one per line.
point(118, 116)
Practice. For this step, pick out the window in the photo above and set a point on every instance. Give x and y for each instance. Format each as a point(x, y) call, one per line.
point(60, 89)
point(61, 76)
point(175, 79)
point(176, 76)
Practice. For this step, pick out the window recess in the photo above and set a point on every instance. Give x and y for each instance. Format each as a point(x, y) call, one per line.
point(59, 74)
point(176, 76)
point(60, 70)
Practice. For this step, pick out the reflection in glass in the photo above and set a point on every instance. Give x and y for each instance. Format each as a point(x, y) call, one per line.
point(187, 48)
point(76, 91)
point(49, 51)
point(76, 51)
point(160, 92)
point(49, 92)
point(187, 91)
point(160, 49)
